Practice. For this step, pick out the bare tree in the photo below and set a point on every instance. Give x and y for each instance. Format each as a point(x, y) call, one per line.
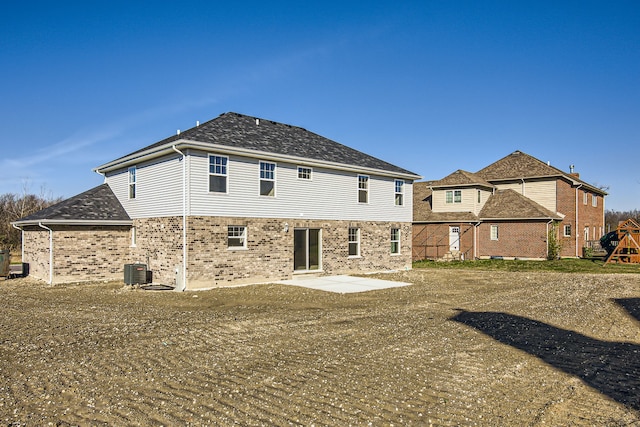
point(16, 206)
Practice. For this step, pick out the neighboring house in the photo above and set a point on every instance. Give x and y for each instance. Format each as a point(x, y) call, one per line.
point(508, 209)
point(234, 200)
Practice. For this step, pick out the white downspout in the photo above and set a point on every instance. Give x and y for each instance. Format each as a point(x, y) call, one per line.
point(50, 251)
point(184, 218)
point(22, 240)
point(577, 227)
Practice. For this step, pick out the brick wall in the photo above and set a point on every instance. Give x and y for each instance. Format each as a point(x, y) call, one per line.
point(80, 253)
point(588, 216)
point(35, 241)
point(566, 202)
point(84, 253)
point(518, 239)
point(269, 251)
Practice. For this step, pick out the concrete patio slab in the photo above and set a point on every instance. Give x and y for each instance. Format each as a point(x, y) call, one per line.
point(343, 284)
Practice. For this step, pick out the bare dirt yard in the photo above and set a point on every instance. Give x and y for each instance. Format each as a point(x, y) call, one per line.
point(457, 348)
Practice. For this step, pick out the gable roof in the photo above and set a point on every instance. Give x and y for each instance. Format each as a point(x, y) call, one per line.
point(422, 203)
point(518, 165)
point(461, 178)
point(509, 204)
point(240, 134)
point(95, 206)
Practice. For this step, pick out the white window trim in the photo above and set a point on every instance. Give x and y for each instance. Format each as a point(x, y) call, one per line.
point(564, 230)
point(357, 241)
point(494, 235)
point(242, 236)
point(226, 174)
point(134, 236)
point(585, 198)
point(399, 241)
point(274, 179)
point(366, 190)
point(304, 167)
point(398, 193)
point(594, 200)
point(132, 183)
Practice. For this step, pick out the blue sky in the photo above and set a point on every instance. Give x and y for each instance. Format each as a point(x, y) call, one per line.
point(432, 86)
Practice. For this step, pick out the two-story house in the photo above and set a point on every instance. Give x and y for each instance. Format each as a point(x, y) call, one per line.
point(234, 200)
point(514, 208)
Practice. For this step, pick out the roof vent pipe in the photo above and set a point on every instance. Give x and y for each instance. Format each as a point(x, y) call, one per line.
point(257, 122)
point(178, 132)
point(197, 123)
point(571, 167)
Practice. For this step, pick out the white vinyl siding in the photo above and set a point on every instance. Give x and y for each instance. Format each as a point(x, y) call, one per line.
point(161, 194)
point(330, 195)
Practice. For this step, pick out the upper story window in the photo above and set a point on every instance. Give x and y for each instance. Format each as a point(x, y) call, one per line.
point(594, 200)
point(354, 242)
point(304, 173)
point(395, 241)
point(267, 179)
point(567, 230)
point(363, 189)
point(218, 174)
point(453, 196)
point(132, 182)
point(585, 196)
point(399, 184)
point(236, 237)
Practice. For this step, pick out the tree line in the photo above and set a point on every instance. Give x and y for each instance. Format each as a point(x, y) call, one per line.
point(613, 218)
point(16, 206)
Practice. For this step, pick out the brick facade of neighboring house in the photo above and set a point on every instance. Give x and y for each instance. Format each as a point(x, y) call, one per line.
point(260, 201)
point(508, 209)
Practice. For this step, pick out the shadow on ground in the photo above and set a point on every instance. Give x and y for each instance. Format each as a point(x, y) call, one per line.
point(612, 368)
point(632, 305)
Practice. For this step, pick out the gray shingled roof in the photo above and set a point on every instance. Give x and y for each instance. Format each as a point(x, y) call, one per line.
point(509, 204)
point(240, 131)
point(97, 204)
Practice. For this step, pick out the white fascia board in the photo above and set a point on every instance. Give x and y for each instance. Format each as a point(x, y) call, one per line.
point(225, 149)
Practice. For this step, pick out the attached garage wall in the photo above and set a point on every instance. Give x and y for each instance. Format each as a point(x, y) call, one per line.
point(80, 253)
point(516, 239)
point(35, 242)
